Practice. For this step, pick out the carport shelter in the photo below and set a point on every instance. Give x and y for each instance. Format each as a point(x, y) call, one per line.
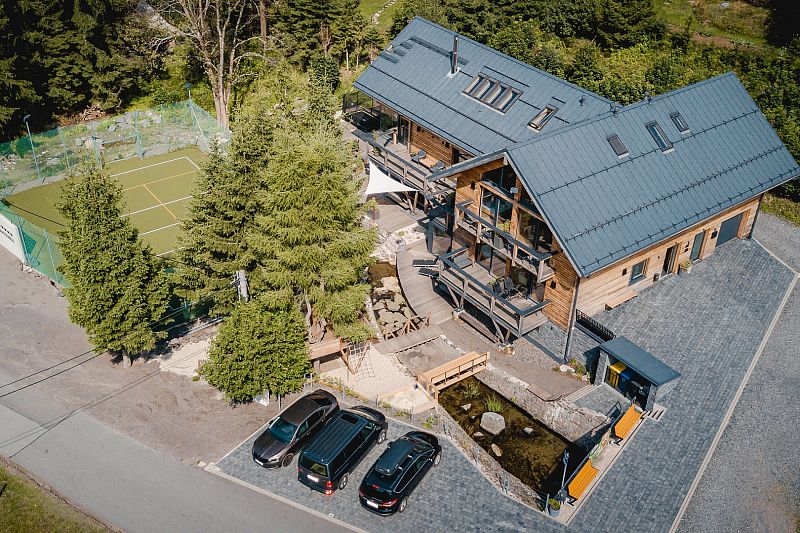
point(635, 372)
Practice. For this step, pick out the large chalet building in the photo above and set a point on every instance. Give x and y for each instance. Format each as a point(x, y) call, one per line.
point(545, 199)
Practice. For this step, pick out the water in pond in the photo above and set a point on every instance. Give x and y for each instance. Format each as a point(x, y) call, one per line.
point(535, 458)
point(380, 270)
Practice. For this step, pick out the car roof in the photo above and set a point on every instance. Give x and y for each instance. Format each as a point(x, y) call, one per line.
point(299, 411)
point(337, 433)
point(393, 457)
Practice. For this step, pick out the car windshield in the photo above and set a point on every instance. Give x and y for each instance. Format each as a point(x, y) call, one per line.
point(282, 430)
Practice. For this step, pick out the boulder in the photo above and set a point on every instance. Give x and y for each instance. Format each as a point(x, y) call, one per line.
point(391, 305)
point(377, 306)
point(477, 434)
point(493, 423)
point(407, 312)
point(566, 368)
point(386, 315)
point(466, 406)
point(528, 431)
point(398, 299)
point(496, 449)
point(391, 283)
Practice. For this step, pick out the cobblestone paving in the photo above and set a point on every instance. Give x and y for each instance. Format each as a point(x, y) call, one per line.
point(603, 399)
point(707, 325)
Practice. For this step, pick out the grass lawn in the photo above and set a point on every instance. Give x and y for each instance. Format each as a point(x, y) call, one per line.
point(27, 508)
point(740, 22)
point(370, 7)
point(783, 207)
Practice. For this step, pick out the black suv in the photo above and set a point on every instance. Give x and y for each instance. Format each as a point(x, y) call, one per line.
point(296, 425)
point(394, 476)
point(325, 464)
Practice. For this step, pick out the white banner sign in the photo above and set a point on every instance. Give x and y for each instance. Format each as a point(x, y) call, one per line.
point(10, 238)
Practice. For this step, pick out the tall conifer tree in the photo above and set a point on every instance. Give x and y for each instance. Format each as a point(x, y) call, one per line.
point(118, 288)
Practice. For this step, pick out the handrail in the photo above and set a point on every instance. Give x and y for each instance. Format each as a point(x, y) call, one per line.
point(593, 326)
point(529, 310)
point(462, 206)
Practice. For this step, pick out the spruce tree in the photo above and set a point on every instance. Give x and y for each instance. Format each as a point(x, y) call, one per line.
point(118, 290)
point(258, 349)
point(308, 240)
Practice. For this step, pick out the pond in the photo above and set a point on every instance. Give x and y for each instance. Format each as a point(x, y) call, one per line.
point(381, 269)
point(531, 451)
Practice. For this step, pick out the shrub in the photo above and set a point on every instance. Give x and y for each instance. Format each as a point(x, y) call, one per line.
point(494, 404)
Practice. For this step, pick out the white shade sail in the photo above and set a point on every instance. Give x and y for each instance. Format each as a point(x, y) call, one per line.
point(380, 182)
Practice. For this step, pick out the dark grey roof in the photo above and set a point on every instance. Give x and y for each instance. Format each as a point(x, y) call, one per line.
point(412, 78)
point(649, 366)
point(603, 208)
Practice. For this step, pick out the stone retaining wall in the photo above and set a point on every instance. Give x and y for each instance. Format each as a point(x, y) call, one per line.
point(576, 424)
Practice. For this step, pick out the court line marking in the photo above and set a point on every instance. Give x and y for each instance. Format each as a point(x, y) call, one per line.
point(160, 179)
point(156, 206)
point(153, 165)
point(165, 253)
point(160, 203)
point(159, 229)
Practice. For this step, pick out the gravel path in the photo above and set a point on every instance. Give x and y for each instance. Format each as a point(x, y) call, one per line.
point(752, 482)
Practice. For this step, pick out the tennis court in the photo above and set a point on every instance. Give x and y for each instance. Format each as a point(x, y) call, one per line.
point(156, 192)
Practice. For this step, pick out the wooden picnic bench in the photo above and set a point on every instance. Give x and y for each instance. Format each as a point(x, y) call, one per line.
point(625, 424)
point(582, 480)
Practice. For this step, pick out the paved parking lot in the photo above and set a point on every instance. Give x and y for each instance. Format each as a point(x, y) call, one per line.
point(707, 325)
point(454, 496)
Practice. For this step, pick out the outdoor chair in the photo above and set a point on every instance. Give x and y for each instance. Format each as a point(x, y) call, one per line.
point(509, 289)
point(429, 272)
point(437, 167)
point(419, 155)
point(419, 263)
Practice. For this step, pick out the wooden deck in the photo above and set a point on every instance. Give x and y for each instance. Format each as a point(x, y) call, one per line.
point(392, 216)
point(410, 340)
point(419, 291)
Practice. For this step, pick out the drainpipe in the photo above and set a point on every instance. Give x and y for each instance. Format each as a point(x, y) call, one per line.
point(571, 325)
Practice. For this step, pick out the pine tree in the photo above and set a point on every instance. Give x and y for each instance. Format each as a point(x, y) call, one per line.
point(118, 291)
point(258, 349)
point(308, 239)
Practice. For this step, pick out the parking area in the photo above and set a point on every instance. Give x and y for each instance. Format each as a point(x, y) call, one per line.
point(453, 496)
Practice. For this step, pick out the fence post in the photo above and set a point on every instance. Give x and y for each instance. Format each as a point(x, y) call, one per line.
point(64, 147)
point(50, 251)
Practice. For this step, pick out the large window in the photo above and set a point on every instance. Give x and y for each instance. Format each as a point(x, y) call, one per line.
point(503, 178)
point(496, 209)
point(638, 271)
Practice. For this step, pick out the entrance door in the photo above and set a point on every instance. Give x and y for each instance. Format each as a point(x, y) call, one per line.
point(455, 156)
point(729, 229)
point(669, 260)
point(697, 246)
point(403, 131)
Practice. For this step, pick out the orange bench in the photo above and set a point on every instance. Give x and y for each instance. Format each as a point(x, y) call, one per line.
point(626, 423)
point(581, 481)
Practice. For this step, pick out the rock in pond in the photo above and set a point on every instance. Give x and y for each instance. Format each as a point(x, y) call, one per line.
point(496, 449)
point(477, 434)
point(493, 423)
point(391, 305)
point(466, 406)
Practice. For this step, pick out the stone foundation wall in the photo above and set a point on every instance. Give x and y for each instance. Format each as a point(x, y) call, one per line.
point(576, 424)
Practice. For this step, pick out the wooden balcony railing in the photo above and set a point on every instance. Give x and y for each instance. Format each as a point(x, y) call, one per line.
point(503, 242)
point(517, 319)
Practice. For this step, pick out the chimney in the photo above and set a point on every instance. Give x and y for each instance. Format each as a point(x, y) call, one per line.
point(454, 57)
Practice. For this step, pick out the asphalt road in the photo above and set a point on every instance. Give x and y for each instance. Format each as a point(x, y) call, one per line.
point(139, 489)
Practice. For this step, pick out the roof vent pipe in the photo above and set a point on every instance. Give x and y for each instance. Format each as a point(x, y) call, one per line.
point(454, 57)
point(648, 97)
point(582, 100)
point(615, 110)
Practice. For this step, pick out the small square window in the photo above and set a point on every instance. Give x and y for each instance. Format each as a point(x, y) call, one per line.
point(542, 118)
point(617, 145)
point(624, 271)
point(638, 271)
point(679, 122)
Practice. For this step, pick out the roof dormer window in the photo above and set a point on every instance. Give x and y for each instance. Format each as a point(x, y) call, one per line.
point(617, 146)
point(679, 122)
point(493, 93)
point(659, 136)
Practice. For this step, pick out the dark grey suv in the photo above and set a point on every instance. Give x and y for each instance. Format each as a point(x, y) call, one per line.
point(295, 426)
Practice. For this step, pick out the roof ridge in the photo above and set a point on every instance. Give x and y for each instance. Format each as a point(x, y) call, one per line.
point(515, 60)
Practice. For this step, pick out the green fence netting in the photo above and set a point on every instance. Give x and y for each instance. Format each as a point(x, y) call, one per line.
point(50, 156)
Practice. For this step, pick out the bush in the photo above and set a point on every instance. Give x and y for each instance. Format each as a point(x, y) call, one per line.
point(494, 404)
point(258, 349)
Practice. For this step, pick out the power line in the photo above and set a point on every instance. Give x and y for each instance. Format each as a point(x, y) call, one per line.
point(23, 378)
point(53, 423)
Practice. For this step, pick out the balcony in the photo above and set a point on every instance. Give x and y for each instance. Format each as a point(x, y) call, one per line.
point(504, 243)
point(517, 315)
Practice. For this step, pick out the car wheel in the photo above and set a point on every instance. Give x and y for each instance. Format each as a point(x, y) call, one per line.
point(403, 504)
point(343, 482)
point(287, 459)
point(382, 436)
point(437, 459)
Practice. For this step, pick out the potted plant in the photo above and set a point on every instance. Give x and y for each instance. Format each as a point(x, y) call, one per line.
point(553, 507)
point(686, 266)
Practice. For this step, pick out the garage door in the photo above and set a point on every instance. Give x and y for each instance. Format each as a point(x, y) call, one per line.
point(729, 229)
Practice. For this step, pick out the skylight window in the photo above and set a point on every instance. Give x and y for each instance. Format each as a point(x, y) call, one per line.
point(659, 136)
point(617, 145)
point(542, 118)
point(493, 93)
point(679, 122)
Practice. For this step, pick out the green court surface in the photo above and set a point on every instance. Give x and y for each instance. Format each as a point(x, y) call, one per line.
point(156, 194)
